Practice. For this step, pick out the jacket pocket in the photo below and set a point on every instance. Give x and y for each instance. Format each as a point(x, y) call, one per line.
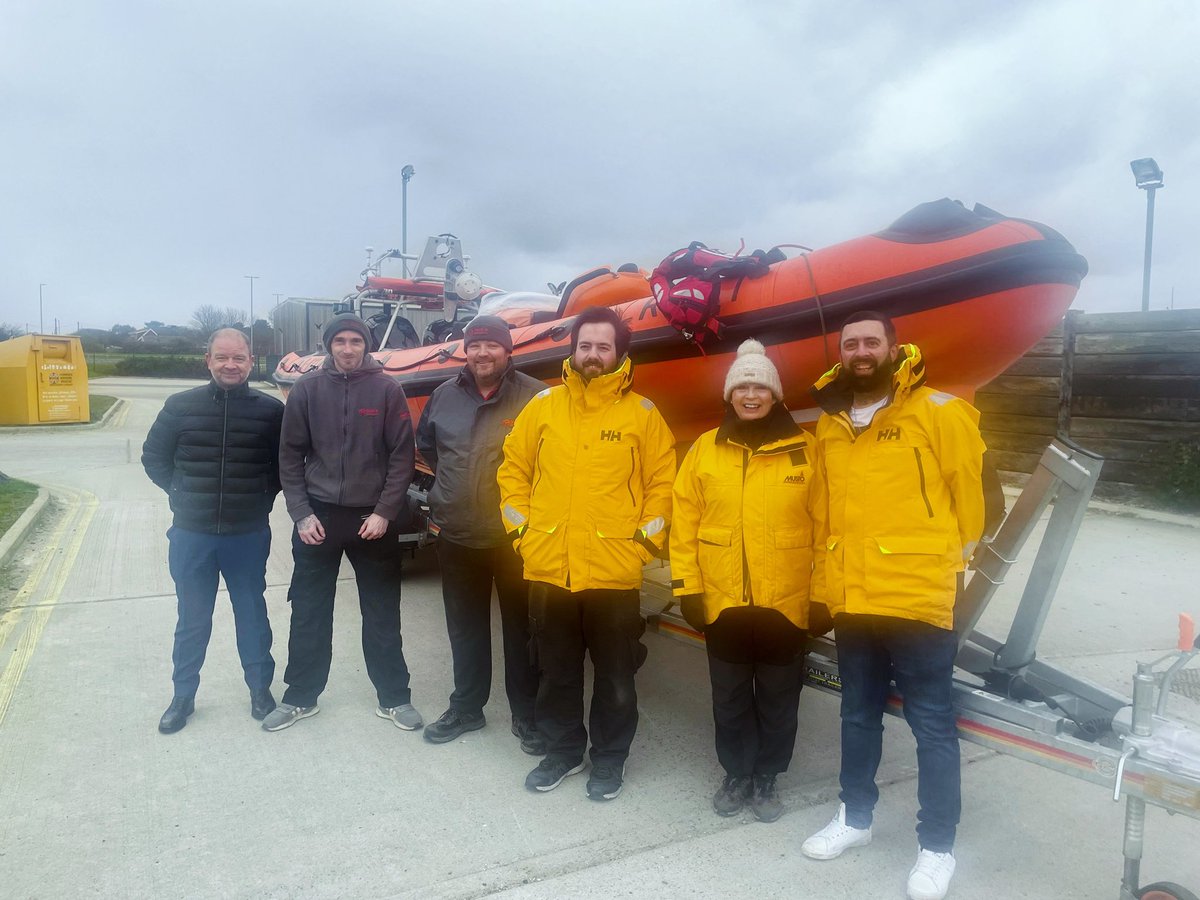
point(904, 544)
point(720, 567)
point(790, 568)
point(619, 556)
point(913, 576)
point(543, 551)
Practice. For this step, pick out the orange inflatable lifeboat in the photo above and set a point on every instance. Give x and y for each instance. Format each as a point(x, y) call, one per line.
point(973, 288)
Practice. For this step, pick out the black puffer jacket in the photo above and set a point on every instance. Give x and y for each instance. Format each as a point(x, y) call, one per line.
point(216, 454)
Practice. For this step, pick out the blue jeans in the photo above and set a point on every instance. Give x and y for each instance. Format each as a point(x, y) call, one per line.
point(872, 650)
point(197, 561)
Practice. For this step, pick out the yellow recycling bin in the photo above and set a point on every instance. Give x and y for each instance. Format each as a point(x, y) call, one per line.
point(43, 380)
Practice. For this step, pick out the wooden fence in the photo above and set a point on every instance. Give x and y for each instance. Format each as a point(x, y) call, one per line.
point(1125, 385)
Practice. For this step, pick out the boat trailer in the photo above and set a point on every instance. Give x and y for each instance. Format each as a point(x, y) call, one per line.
point(1011, 702)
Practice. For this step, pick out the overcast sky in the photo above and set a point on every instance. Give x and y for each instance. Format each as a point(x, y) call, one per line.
point(154, 153)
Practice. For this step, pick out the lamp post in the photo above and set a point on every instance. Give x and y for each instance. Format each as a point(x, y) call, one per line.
point(406, 175)
point(1149, 177)
point(41, 317)
point(251, 278)
point(276, 342)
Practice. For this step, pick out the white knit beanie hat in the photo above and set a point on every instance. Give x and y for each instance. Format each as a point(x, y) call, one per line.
point(753, 367)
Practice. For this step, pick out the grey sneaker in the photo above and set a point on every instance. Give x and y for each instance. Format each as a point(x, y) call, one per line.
point(765, 802)
point(550, 773)
point(285, 715)
point(402, 716)
point(605, 781)
point(735, 790)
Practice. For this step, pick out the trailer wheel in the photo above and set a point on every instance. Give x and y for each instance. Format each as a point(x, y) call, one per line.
point(1165, 890)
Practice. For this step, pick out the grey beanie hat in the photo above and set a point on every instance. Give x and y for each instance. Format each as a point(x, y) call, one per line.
point(346, 322)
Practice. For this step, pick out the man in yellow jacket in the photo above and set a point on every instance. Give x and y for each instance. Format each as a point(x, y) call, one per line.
point(585, 492)
point(903, 469)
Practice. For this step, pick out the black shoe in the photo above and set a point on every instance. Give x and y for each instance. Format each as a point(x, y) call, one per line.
point(261, 703)
point(452, 724)
point(734, 792)
point(605, 781)
point(176, 715)
point(765, 802)
point(532, 741)
point(550, 773)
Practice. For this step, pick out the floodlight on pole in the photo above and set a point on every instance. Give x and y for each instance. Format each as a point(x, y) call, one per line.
point(41, 316)
point(406, 175)
point(251, 278)
point(1149, 177)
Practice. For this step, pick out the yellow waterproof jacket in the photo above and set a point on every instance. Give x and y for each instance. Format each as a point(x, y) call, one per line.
point(905, 497)
point(586, 482)
point(742, 527)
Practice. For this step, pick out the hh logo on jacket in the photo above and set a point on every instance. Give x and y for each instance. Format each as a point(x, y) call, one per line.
point(607, 435)
point(888, 434)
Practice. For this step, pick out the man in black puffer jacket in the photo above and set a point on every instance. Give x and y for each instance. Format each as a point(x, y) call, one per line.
point(215, 451)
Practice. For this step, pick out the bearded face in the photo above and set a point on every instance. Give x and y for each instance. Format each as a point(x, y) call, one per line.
point(867, 356)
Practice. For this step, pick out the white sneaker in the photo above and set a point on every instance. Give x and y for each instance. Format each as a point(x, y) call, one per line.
point(835, 838)
point(930, 877)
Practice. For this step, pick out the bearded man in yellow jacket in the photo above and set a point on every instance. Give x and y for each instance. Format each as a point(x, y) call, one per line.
point(585, 492)
point(902, 465)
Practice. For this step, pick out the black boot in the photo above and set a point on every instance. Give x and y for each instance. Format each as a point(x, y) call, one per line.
point(261, 703)
point(176, 715)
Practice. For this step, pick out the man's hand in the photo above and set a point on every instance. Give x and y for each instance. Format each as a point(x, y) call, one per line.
point(310, 530)
point(515, 536)
point(374, 526)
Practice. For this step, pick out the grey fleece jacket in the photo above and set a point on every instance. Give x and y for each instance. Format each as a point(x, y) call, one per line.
point(461, 436)
point(347, 440)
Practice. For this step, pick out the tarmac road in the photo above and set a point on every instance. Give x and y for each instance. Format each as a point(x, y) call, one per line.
point(95, 802)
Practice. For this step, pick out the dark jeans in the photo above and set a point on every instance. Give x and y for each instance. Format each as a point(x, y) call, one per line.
point(467, 577)
point(872, 650)
point(196, 560)
point(608, 626)
point(756, 666)
point(314, 580)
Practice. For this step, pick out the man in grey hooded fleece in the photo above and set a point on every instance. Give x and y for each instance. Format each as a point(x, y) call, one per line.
point(345, 462)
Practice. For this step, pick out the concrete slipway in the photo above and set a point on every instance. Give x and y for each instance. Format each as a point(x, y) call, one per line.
point(94, 802)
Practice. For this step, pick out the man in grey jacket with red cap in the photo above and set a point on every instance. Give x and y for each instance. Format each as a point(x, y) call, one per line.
point(345, 462)
point(461, 437)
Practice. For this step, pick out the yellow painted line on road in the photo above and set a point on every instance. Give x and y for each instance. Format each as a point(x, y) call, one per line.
point(83, 506)
point(119, 417)
point(9, 621)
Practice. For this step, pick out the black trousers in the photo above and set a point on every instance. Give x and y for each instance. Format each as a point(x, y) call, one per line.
point(756, 666)
point(314, 580)
point(467, 577)
point(608, 626)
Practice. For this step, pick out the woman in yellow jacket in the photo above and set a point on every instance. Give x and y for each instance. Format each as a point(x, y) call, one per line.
point(741, 564)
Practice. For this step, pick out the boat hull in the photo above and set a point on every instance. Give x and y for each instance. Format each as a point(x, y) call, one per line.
point(975, 290)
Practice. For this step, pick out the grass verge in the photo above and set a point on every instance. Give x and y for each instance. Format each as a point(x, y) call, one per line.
point(15, 498)
point(99, 405)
